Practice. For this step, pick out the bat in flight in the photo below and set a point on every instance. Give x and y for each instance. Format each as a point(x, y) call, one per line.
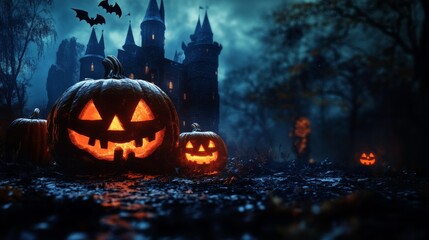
point(111, 8)
point(83, 15)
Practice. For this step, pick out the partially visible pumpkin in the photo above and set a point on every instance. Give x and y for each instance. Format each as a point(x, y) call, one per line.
point(26, 141)
point(115, 123)
point(367, 159)
point(202, 152)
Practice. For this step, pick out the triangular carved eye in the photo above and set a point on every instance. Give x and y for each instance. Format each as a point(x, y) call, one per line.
point(90, 112)
point(189, 145)
point(211, 144)
point(142, 112)
point(371, 155)
point(363, 155)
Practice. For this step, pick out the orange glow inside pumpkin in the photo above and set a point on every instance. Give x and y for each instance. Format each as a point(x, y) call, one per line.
point(367, 159)
point(116, 125)
point(108, 154)
point(89, 112)
point(141, 113)
point(203, 157)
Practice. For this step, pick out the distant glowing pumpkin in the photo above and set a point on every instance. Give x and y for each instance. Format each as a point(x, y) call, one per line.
point(367, 159)
point(202, 152)
point(116, 121)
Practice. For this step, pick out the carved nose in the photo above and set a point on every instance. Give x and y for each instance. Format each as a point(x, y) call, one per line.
point(201, 149)
point(116, 125)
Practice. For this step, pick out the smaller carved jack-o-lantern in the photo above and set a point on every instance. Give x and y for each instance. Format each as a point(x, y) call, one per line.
point(367, 159)
point(202, 152)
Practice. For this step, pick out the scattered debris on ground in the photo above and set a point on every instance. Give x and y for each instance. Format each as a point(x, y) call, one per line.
point(315, 203)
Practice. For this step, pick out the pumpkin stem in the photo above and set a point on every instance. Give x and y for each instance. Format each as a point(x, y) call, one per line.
point(113, 68)
point(35, 114)
point(195, 127)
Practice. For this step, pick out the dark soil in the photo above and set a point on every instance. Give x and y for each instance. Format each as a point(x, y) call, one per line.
point(317, 202)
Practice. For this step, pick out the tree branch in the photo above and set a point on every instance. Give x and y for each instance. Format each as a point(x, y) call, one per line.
point(27, 39)
point(362, 17)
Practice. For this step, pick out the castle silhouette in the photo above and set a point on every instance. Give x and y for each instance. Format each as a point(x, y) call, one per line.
point(192, 84)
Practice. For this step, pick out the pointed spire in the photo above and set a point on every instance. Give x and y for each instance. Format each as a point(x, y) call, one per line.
point(197, 30)
point(206, 34)
point(206, 28)
point(129, 41)
point(93, 37)
point(198, 27)
point(101, 42)
point(161, 11)
point(152, 12)
point(92, 46)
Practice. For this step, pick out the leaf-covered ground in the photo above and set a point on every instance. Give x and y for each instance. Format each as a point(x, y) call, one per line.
point(320, 202)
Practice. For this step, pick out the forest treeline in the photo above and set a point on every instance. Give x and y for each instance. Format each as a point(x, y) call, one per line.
point(357, 69)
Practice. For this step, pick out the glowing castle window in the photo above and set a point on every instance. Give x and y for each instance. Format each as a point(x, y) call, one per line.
point(184, 96)
point(131, 75)
point(146, 69)
point(170, 85)
point(92, 67)
point(153, 36)
point(184, 123)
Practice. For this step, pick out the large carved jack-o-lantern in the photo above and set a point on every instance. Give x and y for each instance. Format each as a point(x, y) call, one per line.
point(202, 152)
point(122, 142)
point(114, 122)
point(367, 159)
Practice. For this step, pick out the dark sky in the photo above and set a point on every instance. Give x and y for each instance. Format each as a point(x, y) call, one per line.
point(231, 21)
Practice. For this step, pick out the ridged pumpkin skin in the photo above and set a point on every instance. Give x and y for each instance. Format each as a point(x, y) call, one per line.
point(26, 141)
point(116, 101)
point(202, 152)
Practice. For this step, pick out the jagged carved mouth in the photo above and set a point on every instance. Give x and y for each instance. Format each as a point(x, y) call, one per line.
point(108, 150)
point(367, 162)
point(206, 159)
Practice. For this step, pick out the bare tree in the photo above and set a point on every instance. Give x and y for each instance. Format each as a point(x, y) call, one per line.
point(25, 26)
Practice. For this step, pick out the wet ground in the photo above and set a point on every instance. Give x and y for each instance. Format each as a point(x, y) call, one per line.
point(320, 202)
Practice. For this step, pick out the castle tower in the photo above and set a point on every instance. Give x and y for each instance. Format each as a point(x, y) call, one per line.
point(191, 82)
point(129, 44)
point(200, 96)
point(127, 56)
point(91, 63)
point(153, 36)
